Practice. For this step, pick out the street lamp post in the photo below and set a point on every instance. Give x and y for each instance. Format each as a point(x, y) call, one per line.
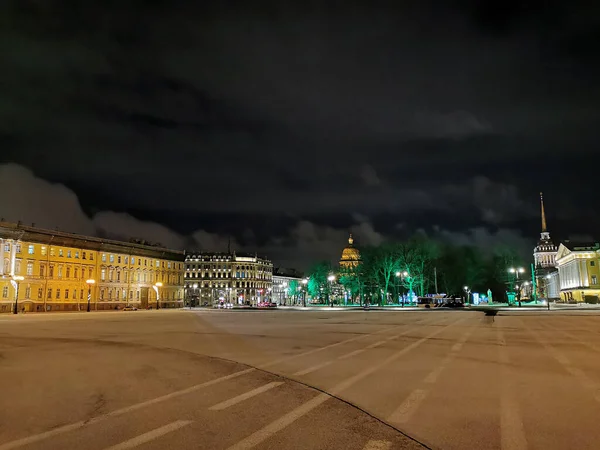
point(304, 282)
point(516, 271)
point(331, 279)
point(467, 292)
point(90, 283)
point(397, 279)
point(15, 282)
point(157, 285)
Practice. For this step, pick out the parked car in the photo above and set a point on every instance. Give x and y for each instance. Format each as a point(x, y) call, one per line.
point(130, 308)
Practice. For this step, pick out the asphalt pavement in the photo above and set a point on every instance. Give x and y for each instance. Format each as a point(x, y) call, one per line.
point(233, 379)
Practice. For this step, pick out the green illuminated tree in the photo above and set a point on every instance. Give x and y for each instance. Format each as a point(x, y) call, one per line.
point(317, 282)
point(293, 290)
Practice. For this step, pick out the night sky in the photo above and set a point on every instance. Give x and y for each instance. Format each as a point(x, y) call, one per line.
point(286, 125)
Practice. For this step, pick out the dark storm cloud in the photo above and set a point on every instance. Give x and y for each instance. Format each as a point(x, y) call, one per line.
point(453, 113)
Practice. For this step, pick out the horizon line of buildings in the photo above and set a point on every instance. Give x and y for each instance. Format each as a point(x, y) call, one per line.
point(51, 270)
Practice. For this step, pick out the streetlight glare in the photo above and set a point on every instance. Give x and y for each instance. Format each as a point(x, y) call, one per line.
point(158, 284)
point(397, 274)
point(521, 270)
point(90, 281)
point(331, 277)
point(405, 273)
point(512, 270)
point(18, 277)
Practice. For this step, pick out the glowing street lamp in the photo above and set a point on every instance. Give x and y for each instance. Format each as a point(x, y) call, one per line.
point(467, 292)
point(331, 279)
point(15, 282)
point(304, 282)
point(157, 285)
point(90, 283)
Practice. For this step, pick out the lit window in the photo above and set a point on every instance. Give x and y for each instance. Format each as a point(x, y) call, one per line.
point(52, 251)
point(60, 252)
point(44, 250)
point(66, 294)
point(5, 292)
point(49, 295)
point(91, 256)
point(133, 260)
point(103, 257)
point(30, 268)
point(111, 258)
point(7, 247)
point(127, 260)
point(18, 248)
point(103, 274)
point(594, 279)
point(31, 249)
point(40, 292)
point(60, 271)
point(68, 253)
point(77, 255)
point(58, 293)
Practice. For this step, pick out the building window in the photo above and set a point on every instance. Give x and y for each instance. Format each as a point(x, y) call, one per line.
point(76, 272)
point(31, 249)
point(58, 293)
point(111, 258)
point(157, 263)
point(77, 255)
point(137, 295)
point(29, 269)
point(130, 295)
point(60, 252)
point(592, 263)
point(91, 256)
point(83, 256)
point(101, 294)
point(17, 266)
point(7, 247)
point(103, 257)
point(5, 292)
point(594, 279)
point(18, 248)
point(110, 274)
point(145, 262)
point(60, 271)
point(119, 259)
point(133, 260)
point(49, 294)
point(110, 294)
point(51, 271)
point(118, 275)
point(66, 294)
point(68, 253)
point(127, 260)
point(89, 273)
point(40, 293)
point(68, 272)
point(103, 274)
point(44, 250)
point(81, 294)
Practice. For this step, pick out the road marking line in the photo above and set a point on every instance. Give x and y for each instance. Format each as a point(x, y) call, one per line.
point(359, 376)
point(245, 396)
point(576, 372)
point(353, 353)
point(335, 344)
point(512, 433)
point(269, 430)
point(82, 423)
point(150, 436)
point(313, 368)
point(378, 445)
point(411, 404)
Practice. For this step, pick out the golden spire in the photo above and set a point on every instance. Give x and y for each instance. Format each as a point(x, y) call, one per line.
point(544, 228)
point(350, 240)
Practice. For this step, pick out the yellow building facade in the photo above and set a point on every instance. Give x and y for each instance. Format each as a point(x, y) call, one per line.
point(579, 271)
point(45, 270)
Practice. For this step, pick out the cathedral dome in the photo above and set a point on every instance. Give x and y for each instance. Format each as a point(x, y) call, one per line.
point(350, 255)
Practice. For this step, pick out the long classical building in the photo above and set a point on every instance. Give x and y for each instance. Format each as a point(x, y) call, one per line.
point(578, 267)
point(47, 270)
point(212, 278)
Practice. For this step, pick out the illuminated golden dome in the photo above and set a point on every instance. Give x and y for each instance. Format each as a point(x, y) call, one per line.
point(350, 255)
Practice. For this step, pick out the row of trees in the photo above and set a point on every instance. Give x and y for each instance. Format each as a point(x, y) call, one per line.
point(418, 265)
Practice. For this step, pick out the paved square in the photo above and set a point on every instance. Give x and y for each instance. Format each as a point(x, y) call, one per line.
point(300, 379)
